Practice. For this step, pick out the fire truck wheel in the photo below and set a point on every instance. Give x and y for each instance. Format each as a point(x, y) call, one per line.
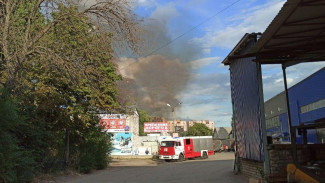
point(205, 155)
point(181, 158)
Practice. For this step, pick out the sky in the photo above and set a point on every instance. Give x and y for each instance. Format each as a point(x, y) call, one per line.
point(211, 31)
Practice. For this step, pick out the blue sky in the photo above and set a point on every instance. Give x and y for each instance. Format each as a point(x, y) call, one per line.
point(207, 91)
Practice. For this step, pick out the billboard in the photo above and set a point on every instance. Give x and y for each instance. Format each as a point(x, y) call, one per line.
point(122, 144)
point(179, 129)
point(150, 127)
point(113, 122)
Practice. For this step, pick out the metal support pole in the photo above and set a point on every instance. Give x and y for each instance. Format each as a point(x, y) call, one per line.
point(262, 118)
point(291, 130)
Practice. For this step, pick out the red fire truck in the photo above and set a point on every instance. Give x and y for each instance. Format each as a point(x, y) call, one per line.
point(181, 148)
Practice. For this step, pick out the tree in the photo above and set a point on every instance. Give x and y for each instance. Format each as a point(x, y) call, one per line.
point(199, 130)
point(56, 61)
point(24, 25)
point(143, 117)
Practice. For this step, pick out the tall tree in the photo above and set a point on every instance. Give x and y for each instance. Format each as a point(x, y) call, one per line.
point(25, 24)
point(143, 117)
point(199, 130)
point(55, 57)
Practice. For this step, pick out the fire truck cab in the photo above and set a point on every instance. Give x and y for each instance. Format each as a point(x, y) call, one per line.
point(171, 149)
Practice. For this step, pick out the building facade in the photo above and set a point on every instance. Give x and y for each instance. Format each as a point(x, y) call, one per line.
point(209, 124)
point(179, 126)
point(307, 106)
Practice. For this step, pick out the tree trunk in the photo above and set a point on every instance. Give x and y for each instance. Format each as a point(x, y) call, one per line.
point(67, 147)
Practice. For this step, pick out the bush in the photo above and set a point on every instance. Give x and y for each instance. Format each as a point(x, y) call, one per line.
point(30, 145)
point(94, 150)
point(16, 163)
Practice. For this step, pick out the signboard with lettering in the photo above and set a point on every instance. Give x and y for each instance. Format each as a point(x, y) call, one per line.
point(113, 122)
point(150, 127)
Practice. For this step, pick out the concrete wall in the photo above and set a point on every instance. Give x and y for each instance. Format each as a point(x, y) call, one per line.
point(133, 122)
point(124, 141)
point(149, 142)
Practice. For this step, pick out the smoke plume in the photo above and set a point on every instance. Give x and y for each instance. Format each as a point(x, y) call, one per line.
point(154, 80)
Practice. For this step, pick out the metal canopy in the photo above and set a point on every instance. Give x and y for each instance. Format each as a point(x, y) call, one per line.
point(236, 52)
point(297, 34)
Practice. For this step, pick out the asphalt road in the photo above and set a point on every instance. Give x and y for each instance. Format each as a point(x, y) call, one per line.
point(217, 168)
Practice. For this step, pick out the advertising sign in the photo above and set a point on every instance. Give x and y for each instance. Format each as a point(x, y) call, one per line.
point(122, 144)
point(179, 129)
point(150, 127)
point(113, 122)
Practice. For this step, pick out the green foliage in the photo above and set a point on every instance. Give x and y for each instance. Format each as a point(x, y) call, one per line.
point(16, 163)
point(143, 117)
point(94, 150)
point(199, 130)
point(56, 69)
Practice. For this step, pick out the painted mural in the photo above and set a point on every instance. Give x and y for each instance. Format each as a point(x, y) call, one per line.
point(122, 144)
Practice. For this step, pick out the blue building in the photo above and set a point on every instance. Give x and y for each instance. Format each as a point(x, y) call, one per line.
point(307, 106)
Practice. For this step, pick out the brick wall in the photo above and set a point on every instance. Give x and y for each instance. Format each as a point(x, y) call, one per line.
point(281, 155)
point(251, 168)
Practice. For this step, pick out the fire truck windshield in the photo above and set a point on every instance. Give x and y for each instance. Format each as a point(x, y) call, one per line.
point(167, 144)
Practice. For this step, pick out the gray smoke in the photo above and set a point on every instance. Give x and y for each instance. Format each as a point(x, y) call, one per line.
point(160, 77)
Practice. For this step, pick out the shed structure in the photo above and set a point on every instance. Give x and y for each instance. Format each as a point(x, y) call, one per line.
point(296, 35)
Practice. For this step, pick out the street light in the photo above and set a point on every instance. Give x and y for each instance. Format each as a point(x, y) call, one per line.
point(173, 108)
point(173, 111)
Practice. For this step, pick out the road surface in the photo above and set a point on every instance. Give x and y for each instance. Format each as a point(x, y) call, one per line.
point(218, 168)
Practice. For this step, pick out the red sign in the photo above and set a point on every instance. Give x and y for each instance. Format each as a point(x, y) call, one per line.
point(156, 127)
point(113, 125)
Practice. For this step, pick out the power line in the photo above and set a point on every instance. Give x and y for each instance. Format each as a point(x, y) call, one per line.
point(188, 31)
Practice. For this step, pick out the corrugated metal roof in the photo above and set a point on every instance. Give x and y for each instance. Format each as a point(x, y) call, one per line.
point(297, 34)
point(236, 52)
point(222, 133)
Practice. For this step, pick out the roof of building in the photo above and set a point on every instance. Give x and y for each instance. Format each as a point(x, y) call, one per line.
point(236, 51)
point(295, 35)
point(222, 132)
point(228, 129)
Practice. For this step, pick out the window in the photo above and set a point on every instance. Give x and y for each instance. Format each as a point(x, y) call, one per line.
point(272, 122)
point(313, 106)
point(188, 141)
point(167, 143)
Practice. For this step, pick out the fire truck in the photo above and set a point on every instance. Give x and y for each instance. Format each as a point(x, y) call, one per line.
point(181, 148)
